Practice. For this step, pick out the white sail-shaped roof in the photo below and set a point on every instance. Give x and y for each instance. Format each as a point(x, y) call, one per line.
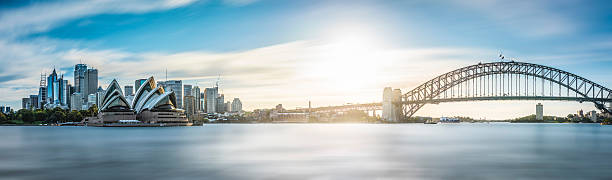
point(148, 98)
point(144, 89)
point(113, 98)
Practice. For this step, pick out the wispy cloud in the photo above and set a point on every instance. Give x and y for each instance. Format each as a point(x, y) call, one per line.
point(529, 18)
point(41, 17)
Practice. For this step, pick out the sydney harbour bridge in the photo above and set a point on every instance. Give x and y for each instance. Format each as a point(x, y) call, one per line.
point(492, 82)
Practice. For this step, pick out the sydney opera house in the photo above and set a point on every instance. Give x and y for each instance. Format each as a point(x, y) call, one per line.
point(150, 106)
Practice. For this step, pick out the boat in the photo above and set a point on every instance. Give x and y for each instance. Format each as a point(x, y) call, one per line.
point(430, 121)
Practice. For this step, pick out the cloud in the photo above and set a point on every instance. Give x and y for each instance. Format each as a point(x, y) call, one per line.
point(529, 18)
point(239, 2)
point(41, 17)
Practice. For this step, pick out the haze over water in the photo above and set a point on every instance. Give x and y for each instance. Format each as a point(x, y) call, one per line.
point(309, 151)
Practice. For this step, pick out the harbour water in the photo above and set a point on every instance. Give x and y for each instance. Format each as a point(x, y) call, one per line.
point(309, 151)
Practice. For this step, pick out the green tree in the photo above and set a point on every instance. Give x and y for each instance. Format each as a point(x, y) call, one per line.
point(93, 110)
point(3, 118)
point(57, 117)
point(74, 116)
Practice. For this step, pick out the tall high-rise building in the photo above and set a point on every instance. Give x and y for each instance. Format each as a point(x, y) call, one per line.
point(391, 112)
point(42, 97)
point(91, 81)
point(210, 96)
point(220, 103)
point(65, 93)
point(187, 89)
point(57, 91)
point(51, 79)
point(236, 105)
point(228, 106)
point(189, 105)
point(129, 90)
point(203, 101)
point(539, 111)
point(137, 84)
point(34, 102)
point(79, 78)
point(25, 103)
point(76, 101)
point(177, 87)
point(195, 92)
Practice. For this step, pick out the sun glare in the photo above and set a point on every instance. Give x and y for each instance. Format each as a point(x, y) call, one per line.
point(350, 58)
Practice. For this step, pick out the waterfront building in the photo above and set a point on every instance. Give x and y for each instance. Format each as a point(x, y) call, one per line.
point(593, 116)
point(91, 100)
point(210, 96)
point(195, 92)
point(221, 103)
point(236, 105)
point(152, 106)
point(391, 111)
point(189, 105)
point(203, 102)
point(177, 87)
point(34, 102)
point(387, 103)
point(25, 103)
point(5, 109)
point(42, 96)
point(228, 106)
point(539, 111)
point(129, 90)
point(76, 101)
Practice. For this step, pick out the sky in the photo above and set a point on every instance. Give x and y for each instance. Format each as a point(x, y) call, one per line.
point(329, 52)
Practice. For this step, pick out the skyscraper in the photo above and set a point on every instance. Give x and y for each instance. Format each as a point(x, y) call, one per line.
point(91, 81)
point(65, 93)
point(129, 90)
point(195, 92)
point(236, 105)
point(189, 105)
point(187, 89)
point(33, 101)
point(220, 103)
point(539, 111)
point(51, 79)
point(25, 103)
point(137, 84)
point(79, 78)
point(76, 101)
point(177, 87)
point(42, 96)
point(210, 96)
point(57, 90)
point(228, 106)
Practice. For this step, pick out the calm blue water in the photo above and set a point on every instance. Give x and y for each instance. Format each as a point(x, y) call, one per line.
point(309, 151)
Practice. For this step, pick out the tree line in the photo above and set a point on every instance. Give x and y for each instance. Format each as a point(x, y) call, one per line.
point(47, 116)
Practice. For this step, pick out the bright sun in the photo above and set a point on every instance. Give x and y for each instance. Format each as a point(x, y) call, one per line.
point(351, 59)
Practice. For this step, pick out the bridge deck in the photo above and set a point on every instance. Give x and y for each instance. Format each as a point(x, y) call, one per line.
point(507, 98)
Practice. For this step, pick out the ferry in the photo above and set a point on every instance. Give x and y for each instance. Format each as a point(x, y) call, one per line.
point(449, 120)
point(430, 121)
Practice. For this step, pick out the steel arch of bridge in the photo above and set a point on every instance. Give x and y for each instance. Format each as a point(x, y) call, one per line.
point(505, 81)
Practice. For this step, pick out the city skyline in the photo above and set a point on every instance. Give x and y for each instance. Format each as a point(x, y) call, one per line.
point(261, 66)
